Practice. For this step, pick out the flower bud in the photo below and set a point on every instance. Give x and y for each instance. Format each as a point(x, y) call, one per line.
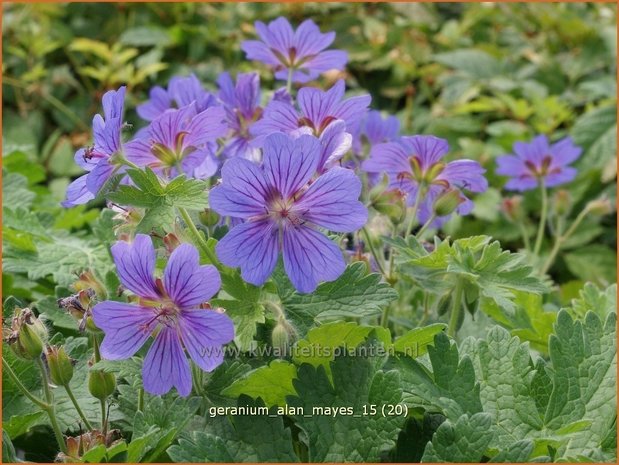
point(562, 202)
point(60, 365)
point(77, 446)
point(391, 203)
point(513, 209)
point(27, 335)
point(282, 336)
point(600, 207)
point(444, 304)
point(89, 282)
point(447, 202)
point(208, 217)
point(79, 305)
point(171, 242)
point(101, 384)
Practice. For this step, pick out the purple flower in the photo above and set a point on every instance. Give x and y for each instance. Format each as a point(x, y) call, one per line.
point(180, 139)
point(375, 130)
point(283, 210)
point(325, 115)
point(182, 91)
point(538, 160)
point(414, 165)
point(241, 102)
point(98, 160)
point(168, 307)
point(301, 52)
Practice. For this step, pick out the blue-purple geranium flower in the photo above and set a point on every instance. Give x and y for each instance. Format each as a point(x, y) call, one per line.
point(374, 129)
point(169, 308)
point(324, 114)
point(539, 160)
point(99, 159)
point(301, 53)
point(242, 104)
point(283, 211)
point(180, 141)
point(181, 91)
point(415, 166)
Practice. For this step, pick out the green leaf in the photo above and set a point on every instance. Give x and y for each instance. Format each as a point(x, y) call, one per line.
point(355, 294)
point(466, 440)
point(596, 133)
point(414, 437)
point(416, 341)
point(584, 360)
point(160, 199)
point(245, 315)
point(15, 192)
point(246, 438)
point(347, 435)
point(450, 388)
point(596, 263)
point(592, 299)
point(272, 383)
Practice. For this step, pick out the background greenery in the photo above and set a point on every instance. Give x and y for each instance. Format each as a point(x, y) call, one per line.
point(482, 76)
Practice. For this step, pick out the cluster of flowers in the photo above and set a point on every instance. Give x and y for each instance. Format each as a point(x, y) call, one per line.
point(288, 171)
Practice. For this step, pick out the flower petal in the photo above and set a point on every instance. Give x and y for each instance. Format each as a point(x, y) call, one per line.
point(308, 40)
point(332, 201)
point(97, 178)
point(565, 152)
point(317, 105)
point(429, 149)
point(465, 174)
point(310, 257)
point(126, 327)
point(335, 142)
point(206, 126)
point(186, 282)
point(252, 246)
point(390, 157)
point(135, 264)
point(290, 163)
point(166, 365)
point(204, 332)
point(158, 103)
point(278, 116)
point(78, 193)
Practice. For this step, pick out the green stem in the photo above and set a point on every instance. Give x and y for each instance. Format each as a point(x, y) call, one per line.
point(456, 308)
point(103, 417)
point(525, 236)
point(50, 409)
point(77, 406)
point(197, 237)
point(542, 220)
point(426, 225)
point(34, 399)
point(411, 224)
point(289, 81)
point(61, 107)
point(561, 238)
point(377, 259)
point(384, 320)
point(95, 346)
point(141, 399)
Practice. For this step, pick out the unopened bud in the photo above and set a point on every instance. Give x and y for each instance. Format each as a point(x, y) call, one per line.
point(208, 217)
point(600, 207)
point(448, 202)
point(171, 242)
point(562, 202)
point(444, 304)
point(513, 209)
point(88, 281)
point(60, 365)
point(101, 384)
point(391, 203)
point(27, 335)
point(79, 306)
point(282, 335)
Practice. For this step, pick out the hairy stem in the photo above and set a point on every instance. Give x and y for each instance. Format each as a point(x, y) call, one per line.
point(34, 399)
point(411, 223)
point(426, 225)
point(51, 413)
point(377, 258)
point(456, 308)
point(542, 220)
point(561, 238)
point(197, 237)
point(77, 407)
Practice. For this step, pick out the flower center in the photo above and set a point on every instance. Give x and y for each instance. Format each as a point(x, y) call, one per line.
point(283, 211)
point(543, 169)
point(424, 176)
point(318, 130)
point(171, 156)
